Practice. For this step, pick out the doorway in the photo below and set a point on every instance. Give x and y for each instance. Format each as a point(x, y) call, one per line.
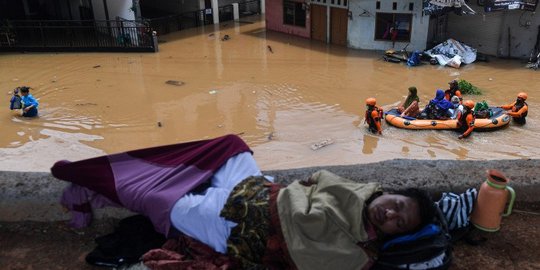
point(318, 22)
point(338, 26)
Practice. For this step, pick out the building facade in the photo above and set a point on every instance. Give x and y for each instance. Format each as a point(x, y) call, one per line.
point(372, 25)
point(396, 24)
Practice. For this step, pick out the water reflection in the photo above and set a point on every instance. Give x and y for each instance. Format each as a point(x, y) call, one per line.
point(281, 101)
point(370, 143)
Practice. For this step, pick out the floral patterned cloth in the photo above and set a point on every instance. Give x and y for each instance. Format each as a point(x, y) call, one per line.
point(248, 205)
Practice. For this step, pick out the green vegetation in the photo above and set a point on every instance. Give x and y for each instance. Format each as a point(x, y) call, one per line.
point(467, 88)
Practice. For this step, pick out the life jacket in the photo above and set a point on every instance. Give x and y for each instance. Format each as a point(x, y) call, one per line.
point(522, 119)
point(369, 118)
point(463, 125)
point(448, 94)
point(518, 107)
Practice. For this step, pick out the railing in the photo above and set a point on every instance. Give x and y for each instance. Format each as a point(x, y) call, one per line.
point(113, 35)
point(88, 35)
point(249, 8)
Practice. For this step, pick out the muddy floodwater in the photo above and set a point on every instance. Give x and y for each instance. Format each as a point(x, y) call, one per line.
point(280, 93)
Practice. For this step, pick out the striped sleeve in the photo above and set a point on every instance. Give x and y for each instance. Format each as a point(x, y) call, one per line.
point(457, 208)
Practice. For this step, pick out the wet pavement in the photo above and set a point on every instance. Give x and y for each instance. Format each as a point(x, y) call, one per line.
point(38, 245)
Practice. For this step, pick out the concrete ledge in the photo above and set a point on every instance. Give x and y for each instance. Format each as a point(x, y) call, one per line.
point(35, 195)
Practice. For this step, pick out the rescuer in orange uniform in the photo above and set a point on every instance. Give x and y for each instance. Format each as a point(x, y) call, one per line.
point(466, 119)
point(453, 90)
point(374, 116)
point(518, 109)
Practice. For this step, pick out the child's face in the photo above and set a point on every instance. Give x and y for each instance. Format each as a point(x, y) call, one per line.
point(24, 93)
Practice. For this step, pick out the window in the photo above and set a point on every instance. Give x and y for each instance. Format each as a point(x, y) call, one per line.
point(294, 13)
point(378, 5)
point(394, 6)
point(393, 26)
point(411, 6)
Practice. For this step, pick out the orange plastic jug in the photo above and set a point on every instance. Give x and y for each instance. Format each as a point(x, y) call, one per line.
point(493, 196)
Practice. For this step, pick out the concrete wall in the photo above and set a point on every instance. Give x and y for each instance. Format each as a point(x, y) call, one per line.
point(361, 32)
point(488, 32)
point(274, 20)
point(64, 11)
point(75, 9)
point(35, 195)
point(99, 10)
point(228, 2)
point(190, 5)
point(165, 6)
point(120, 8)
point(523, 29)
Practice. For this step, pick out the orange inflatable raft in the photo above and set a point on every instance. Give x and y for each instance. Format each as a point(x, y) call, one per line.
point(499, 119)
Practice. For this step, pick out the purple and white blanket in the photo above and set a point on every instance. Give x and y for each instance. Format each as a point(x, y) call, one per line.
point(147, 181)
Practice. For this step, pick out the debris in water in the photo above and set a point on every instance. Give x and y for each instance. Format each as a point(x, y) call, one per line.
point(159, 124)
point(211, 35)
point(212, 92)
point(96, 66)
point(175, 83)
point(270, 49)
point(270, 136)
point(225, 38)
point(321, 144)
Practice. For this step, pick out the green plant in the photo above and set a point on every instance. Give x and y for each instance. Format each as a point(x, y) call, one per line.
point(467, 88)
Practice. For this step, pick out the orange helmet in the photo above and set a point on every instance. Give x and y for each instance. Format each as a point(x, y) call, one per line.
point(469, 104)
point(522, 95)
point(371, 101)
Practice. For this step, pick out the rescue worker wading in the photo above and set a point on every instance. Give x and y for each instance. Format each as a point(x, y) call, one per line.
point(452, 91)
point(466, 119)
point(374, 116)
point(518, 109)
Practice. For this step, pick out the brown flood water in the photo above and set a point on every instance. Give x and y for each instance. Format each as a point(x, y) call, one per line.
point(281, 101)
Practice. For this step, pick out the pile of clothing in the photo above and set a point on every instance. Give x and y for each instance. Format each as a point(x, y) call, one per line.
point(452, 53)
